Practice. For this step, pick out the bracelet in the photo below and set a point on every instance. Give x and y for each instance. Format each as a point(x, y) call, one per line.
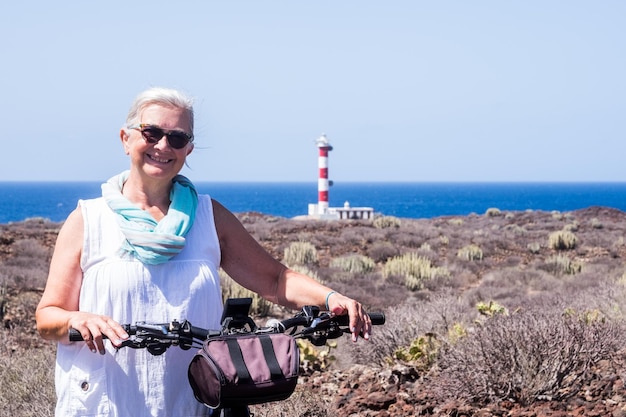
point(327, 297)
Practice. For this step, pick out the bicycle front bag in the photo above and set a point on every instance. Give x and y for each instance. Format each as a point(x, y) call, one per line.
point(233, 370)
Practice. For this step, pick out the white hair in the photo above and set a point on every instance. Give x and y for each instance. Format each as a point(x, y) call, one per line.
point(160, 96)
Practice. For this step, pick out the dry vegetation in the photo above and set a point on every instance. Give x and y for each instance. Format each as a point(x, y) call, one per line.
point(502, 313)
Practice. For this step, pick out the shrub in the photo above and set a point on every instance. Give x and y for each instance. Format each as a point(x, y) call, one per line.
point(562, 240)
point(26, 380)
point(515, 229)
point(300, 253)
point(596, 224)
point(381, 251)
point(526, 356)
point(356, 264)
point(458, 331)
point(562, 265)
point(313, 358)
point(407, 322)
point(491, 309)
point(414, 269)
point(28, 265)
point(422, 352)
point(493, 212)
point(384, 222)
point(470, 253)
point(534, 247)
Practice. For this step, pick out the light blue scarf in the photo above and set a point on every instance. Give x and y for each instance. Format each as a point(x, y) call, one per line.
point(150, 241)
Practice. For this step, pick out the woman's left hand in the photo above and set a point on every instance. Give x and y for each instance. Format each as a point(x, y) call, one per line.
point(360, 323)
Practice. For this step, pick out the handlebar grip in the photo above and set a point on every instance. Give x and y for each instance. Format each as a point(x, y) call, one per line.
point(377, 318)
point(199, 333)
point(75, 336)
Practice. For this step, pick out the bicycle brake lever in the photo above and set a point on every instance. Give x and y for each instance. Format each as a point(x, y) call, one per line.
point(151, 328)
point(322, 322)
point(131, 342)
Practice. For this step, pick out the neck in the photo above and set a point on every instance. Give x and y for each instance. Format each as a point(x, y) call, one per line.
point(153, 197)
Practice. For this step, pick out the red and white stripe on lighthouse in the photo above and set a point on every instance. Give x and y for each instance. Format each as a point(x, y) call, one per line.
point(323, 183)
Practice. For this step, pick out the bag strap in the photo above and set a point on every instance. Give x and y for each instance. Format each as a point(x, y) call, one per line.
point(237, 358)
point(270, 357)
point(268, 352)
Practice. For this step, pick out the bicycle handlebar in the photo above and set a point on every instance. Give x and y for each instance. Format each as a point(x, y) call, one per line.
point(316, 328)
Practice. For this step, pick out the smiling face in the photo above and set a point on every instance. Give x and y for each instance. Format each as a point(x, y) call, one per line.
point(158, 161)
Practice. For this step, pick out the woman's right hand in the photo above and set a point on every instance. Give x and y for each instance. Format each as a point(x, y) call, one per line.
point(93, 327)
point(58, 309)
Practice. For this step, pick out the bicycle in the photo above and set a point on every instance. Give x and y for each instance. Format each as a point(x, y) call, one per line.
point(310, 324)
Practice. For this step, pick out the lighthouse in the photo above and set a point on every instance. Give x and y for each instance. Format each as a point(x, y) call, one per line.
point(321, 210)
point(323, 183)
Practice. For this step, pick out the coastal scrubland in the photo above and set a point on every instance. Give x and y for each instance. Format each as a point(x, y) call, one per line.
point(496, 313)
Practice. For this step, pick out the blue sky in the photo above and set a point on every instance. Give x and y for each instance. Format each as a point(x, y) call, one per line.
point(404, 90)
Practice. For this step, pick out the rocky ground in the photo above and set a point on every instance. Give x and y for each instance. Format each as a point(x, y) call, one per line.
point(399, 390)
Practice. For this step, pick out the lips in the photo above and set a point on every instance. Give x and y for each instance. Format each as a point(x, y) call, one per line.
point(159, 160)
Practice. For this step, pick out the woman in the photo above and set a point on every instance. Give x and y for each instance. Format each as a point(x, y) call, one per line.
point(149, 250)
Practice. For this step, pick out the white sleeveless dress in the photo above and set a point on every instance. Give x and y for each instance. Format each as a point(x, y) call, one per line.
point(132, 382)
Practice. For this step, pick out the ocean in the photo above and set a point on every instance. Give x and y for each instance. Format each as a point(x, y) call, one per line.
point(55, 200)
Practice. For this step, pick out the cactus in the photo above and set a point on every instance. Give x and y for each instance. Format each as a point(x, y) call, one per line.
point(562, 240)
point(300, 253)
point(414, 268)
point(470, 252)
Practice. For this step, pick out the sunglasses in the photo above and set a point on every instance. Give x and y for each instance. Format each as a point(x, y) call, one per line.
point(152, 134)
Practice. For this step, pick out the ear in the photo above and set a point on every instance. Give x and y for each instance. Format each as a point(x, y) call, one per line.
point(190, 149)
point(124, 136)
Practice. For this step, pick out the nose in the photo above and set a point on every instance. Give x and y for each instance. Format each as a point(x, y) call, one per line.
point(163, 142)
